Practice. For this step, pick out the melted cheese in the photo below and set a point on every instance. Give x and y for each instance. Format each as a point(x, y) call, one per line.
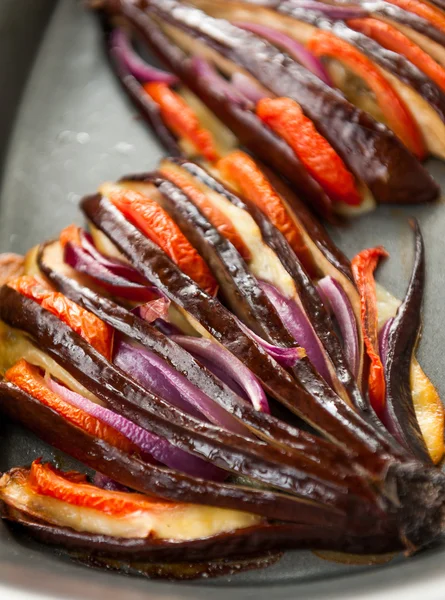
point(178, 522)
point(14, 345)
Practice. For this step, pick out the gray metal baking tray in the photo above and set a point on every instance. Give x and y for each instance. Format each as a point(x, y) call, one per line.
point(65, 127)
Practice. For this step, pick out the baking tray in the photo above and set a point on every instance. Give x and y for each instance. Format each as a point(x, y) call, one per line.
point(65, 126)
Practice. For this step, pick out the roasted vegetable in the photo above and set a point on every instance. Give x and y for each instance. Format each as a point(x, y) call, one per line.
point(363, 266)
point(399, 415)
point(274, 430)
point(303, 290)
point(286, 78)
point(402, 92)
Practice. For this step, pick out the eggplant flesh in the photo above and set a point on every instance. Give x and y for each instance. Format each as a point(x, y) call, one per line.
point(241, 543)
point(387, 161)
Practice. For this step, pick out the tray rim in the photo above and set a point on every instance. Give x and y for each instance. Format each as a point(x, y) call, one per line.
point(405, 590)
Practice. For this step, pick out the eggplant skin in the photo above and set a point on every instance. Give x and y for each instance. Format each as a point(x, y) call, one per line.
point(160, 481)
point(371, 151)
point(274, 430)
point(349, 430)
point(244, 456)
point(247, 127)
point(403, 335)
point(242, 291)
point(310, 299)
point(237, 544)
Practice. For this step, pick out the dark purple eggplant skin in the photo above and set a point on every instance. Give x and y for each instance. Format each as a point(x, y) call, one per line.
point(151, 479)
point(247, 127)
point(308, 398)
point(400, 417)
point(370, 150)
point(266, 426)
point(307, 292)
point(244, 294)
point(241, 455)
point(239, 288)
point(240, 543)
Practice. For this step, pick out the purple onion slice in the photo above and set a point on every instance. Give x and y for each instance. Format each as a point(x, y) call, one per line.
point(336, 300)
point(120, 40)
point(291, 46)
point(81, 261)
point(159, 448)
point(158, 376)
point(297, 323)
point(213, 353)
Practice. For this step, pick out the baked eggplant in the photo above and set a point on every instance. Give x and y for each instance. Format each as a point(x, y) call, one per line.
point(304, 289)
point(173, 347)
point(226, 57)
point(210, 317)
point(357, 501)
point(274, 430)
point(424, 99)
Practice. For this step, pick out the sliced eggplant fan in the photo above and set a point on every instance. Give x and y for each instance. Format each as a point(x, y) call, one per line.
point(231, 382)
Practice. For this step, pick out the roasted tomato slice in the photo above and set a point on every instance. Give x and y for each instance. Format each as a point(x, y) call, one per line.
point(146, 214)
point(90, 327)
point(397, 114)
point(183, 121)
point(244, 174)
point(286, 118)
point(363, 267)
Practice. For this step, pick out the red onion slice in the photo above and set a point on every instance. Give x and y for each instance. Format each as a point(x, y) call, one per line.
point(335, 299)
point(159, 448)
point(120, 41)
point(291, 46)
point(116, 266)
point(152, 372)
point(245, 85)
point(299, 326)
point(212, 353)
point(286, 357)
point(204, 70)
point(80, 260)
